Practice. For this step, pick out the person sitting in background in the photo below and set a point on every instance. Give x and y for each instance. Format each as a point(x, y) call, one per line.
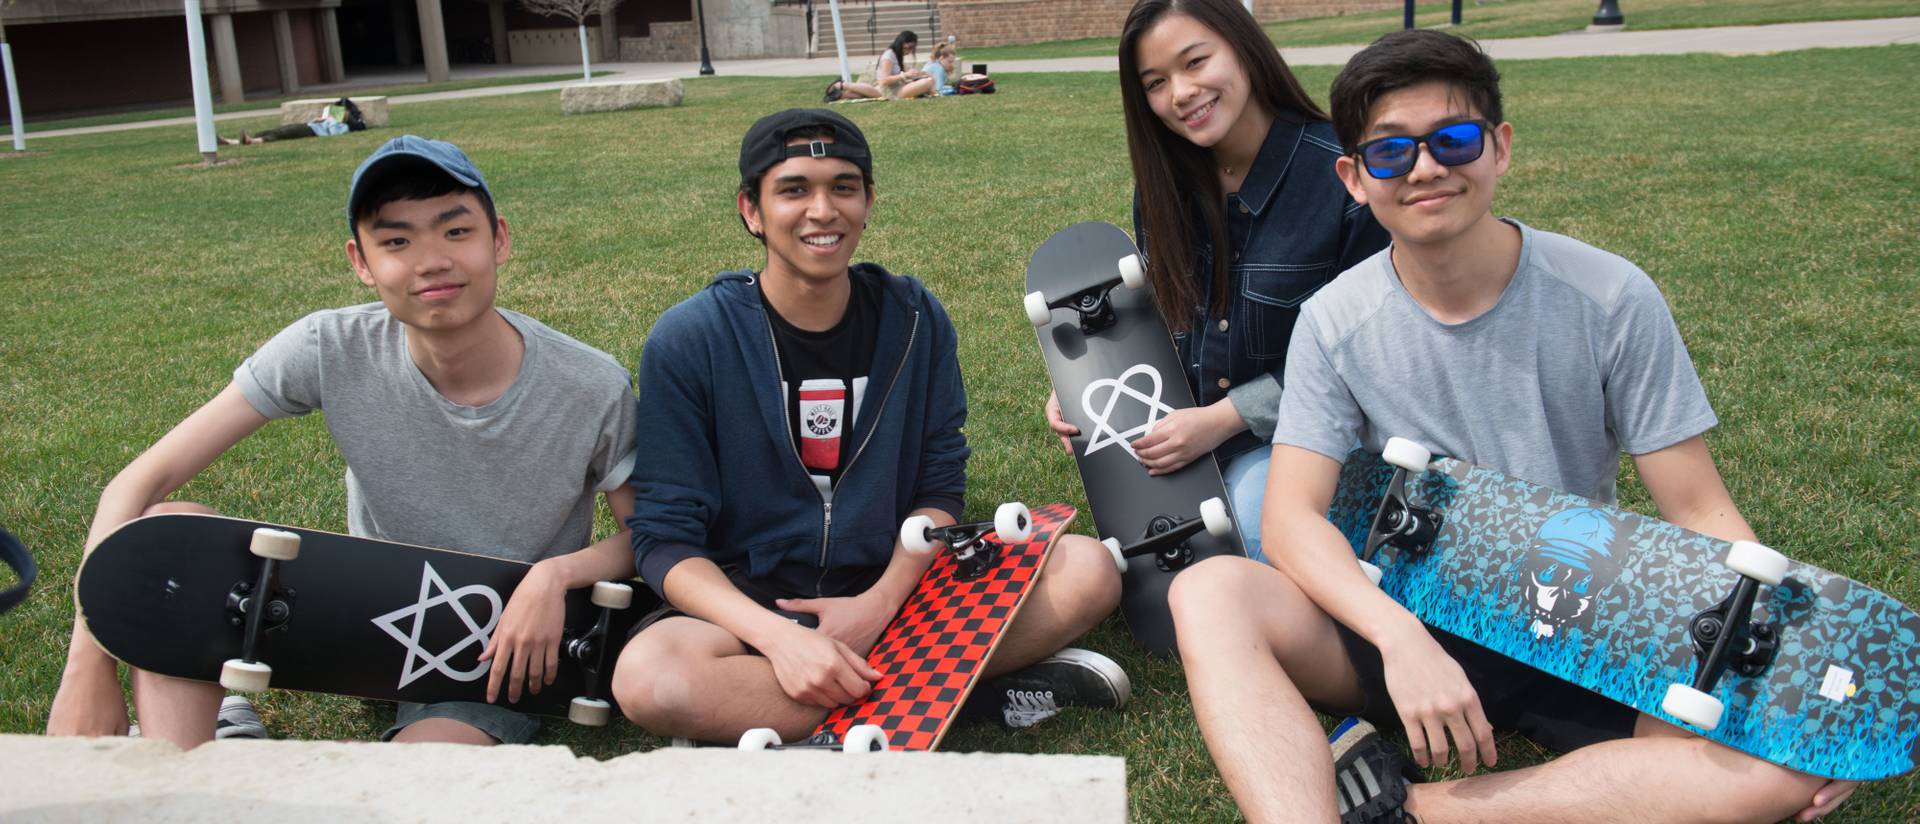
point(941, 68)
point(892, 76)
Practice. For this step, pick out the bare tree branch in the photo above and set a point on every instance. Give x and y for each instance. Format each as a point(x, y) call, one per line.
point(576, 10)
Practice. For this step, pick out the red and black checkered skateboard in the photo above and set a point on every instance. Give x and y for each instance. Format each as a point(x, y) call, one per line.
point(932, 655)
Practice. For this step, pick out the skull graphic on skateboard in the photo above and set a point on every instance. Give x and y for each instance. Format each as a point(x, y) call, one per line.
point(1731, 640)
point(1116, 372)
point(254, 605)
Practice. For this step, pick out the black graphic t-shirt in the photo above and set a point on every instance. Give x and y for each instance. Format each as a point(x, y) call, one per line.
point(823, 378)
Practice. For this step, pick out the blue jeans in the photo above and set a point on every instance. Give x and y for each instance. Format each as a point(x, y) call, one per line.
point(1246, 477)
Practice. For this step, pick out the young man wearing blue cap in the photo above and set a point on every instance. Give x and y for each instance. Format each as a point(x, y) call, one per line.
point(797, 415)
point(436, 398)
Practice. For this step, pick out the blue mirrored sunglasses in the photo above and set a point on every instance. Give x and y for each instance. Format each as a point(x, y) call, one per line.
point(1455, 145)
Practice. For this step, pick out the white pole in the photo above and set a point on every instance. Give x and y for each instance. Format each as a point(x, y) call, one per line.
point(13, 100)
point(840, 41)
point(584, 67)
point(202, 95)
point(1249, 6)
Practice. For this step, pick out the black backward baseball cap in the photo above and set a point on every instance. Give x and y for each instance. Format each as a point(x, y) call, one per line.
point(765, 145)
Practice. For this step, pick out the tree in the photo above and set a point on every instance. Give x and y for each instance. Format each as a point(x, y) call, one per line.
point(578, 11)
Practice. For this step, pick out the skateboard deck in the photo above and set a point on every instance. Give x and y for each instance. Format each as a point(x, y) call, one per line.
point(1114, 383)
point(933, 653)
point(362, 617)
point(1606, 599)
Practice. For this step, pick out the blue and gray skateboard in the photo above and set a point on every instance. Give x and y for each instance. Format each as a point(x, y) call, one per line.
point(1734, 641)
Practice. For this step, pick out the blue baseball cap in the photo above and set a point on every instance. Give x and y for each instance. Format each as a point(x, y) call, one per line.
point(407, 150)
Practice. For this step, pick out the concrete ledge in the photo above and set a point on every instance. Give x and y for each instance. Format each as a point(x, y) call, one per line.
point(613, 97)
point(373, 109)
point(113, 779)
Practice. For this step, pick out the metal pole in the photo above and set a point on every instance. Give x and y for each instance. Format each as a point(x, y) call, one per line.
point(1409, 14)
point(202, 95)
point(839, 40)
point(1456, 12)
point(585, 67)
point(13, 99)
point(1249, 4)
point(706, 61)
point(1609, 14)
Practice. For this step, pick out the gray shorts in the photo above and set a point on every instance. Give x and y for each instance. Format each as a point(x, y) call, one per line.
point(505, 725)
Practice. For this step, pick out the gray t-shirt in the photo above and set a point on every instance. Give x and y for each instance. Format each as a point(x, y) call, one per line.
point(513, 479)
point(1578, 360)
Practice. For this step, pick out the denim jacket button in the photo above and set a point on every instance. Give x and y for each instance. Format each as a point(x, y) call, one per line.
point(1224, 383)
point(1223, 324)
point(1243, 208)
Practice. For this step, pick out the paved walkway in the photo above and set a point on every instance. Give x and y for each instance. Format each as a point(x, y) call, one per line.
point(1732, 40)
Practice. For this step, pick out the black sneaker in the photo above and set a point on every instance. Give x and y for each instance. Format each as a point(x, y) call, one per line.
point(1071, 678)
point(238, 720)
point(1370, 777)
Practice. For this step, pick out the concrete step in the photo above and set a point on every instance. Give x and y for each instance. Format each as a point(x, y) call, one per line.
point(887, 20)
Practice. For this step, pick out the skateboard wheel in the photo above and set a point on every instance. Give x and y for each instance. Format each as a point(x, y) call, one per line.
point(245, 676)
point(278, 544)
point(1213, 513)
point(1407, 455)
point(1132, 273)
point(1113, 547)
point(1692, 706)
point(1757, 561)
point(589, 712)
point(1373, 572)
point(1037, 312)
point(865, 738)
point(916, 534)
point(759, 738)
point(611, 595)
point(1013, 522)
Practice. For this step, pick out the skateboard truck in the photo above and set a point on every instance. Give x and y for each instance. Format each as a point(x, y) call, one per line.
point(259, 607)
point(1093, 303)
point(590, 649)
point(973, 551)
point(861, 738)
point(1397, 521)
point(1166, 537)
point(1725, 636)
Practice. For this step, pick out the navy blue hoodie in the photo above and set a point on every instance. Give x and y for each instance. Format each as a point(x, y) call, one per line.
point(718, 474)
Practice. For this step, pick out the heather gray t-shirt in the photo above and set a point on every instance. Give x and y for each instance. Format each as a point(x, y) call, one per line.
point(513, 479)
point(1578, 360)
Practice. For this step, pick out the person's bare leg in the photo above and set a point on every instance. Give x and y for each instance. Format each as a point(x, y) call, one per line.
point(443, 731)
point(175, 709)
point(1256, 649)
point(688, 678)
point(1661, 774)
point(1078, 588)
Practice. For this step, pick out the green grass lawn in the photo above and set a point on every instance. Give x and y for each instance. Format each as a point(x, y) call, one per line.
point(1505, 18)
point(36, 124)
point(1772, 198)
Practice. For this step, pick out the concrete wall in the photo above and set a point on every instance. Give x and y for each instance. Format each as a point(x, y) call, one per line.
point(20, 12)
point(667, 43)
point(557, 46)
point(742, 29)
point(1003, 22)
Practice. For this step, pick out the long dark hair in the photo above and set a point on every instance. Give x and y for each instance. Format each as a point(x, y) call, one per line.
point(1170, 173)
point(900, 40)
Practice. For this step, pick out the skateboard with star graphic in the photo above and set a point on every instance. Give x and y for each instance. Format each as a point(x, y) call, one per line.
point(253, 605)
point(1116, 372)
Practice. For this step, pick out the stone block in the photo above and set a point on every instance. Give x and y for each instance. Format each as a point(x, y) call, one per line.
point(613, 97)
point(372, 109)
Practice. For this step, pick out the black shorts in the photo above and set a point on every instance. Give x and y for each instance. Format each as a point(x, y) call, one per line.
point(1553, 713)
point(765, 591)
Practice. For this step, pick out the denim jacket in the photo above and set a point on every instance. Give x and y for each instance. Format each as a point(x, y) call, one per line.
point(1291, 228)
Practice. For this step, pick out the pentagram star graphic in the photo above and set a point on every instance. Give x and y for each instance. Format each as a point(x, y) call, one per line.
point(1103, 433)
point(434, 592)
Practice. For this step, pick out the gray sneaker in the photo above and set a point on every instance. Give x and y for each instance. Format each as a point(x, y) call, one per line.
point(1071, 678)
point(238, 720)
point(1370, 777)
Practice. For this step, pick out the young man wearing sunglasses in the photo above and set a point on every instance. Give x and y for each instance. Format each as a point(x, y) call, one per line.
point(1513, 348)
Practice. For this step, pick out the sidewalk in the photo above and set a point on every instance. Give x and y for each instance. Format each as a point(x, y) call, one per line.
point(1730, 40)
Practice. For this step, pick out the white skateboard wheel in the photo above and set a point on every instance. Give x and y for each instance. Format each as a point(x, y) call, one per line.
point(1757, 561)
point(1113, 548)
point(1407, 455)
point(1013, 522)
point(1037, 312)
point(1132, 273)
point(611, 595)
point(1213, 513)
point(759, 738)
point(1372, 572)
point(916, 534)
point(1692, 706)
point(589, 712)
point(245, 676)
point(865, 738)
point(278, 544)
